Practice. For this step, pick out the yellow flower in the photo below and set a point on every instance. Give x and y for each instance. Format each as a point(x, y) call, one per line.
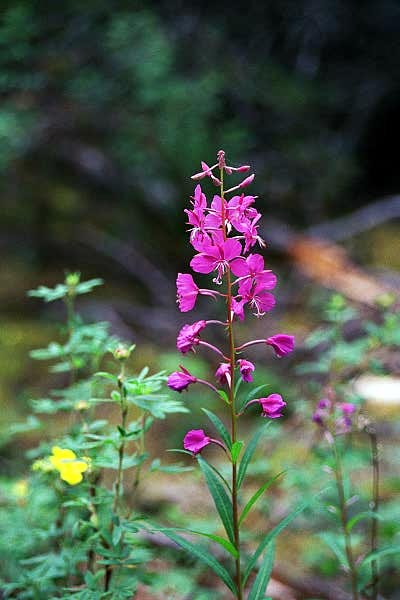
point(68, 465)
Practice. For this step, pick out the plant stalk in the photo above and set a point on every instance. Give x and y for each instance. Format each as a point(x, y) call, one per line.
point(232, 359)
point(121, 451)
point(375, 507)
point(344, 518)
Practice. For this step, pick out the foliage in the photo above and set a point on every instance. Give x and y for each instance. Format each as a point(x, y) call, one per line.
point(83, 532)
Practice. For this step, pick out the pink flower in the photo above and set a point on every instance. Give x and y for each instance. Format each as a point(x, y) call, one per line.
point(257, 297)
point(195, 440)
point(238, 308)
point(253, 268)
point(347, 408)
point(250, 232)
point(272, 406)
point(223, 373)
point(216, 256)
point(187, 292)
point(180, 380)
point(240, 209)
point(188, 336)
point(246, 368)
point(199, 199)
point(281, 343)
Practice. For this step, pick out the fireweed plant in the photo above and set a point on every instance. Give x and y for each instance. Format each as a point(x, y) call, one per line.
point(224, 234)
point(86, 546)
point(346, 428)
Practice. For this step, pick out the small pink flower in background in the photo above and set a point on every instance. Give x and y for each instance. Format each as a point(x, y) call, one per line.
point(272, 406)
point(188, 336)
point(246, 369)
point(195, 440)
point(223, 373)
point(187, 292)
point(325, 403)
point(347, 408)
point(281, 343)
point(180, 380)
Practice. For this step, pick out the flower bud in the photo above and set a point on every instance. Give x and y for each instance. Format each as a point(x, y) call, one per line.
point(246, 181)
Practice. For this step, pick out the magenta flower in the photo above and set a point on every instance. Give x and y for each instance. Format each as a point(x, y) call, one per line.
point(215, 256)
point(180, 380)
point(250, 232)
point(347, 408)
point(272, 405)
point(246, 369)
point(256, 296)
point(240, 210)
point(187, 292)
point(281, 343)
point(223, 373)
point(253, 268)
point(195, 440)
point(188, 336)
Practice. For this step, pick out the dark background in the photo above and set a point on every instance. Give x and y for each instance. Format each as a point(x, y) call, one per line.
point(107, 108)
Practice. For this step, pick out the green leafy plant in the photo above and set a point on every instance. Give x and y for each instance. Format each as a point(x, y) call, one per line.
point(86, 475)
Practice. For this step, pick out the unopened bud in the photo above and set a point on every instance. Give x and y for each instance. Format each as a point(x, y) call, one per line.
point(243, 168)
point(215, 181)
point(72, 279)
point(198, 176)
point(81, 405)
point(228, 170)
point(221, 159)
point(122, 352)
point(246, 181)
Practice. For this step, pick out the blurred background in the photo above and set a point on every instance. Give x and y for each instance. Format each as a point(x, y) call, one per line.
point(106, 110)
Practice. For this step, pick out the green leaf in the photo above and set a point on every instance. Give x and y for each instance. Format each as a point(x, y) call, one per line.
point(204, 555)
point(236, 450)
point(336, 544)
point(368, 514)
point(106, 375)
point(256, 496)
point(380, 553)
point(220, 497)
point(226, 544)
point(271, 536)
point(248, 454)
point(252, 394)
point(259, 586)
point(220, 427)
point(223, 395)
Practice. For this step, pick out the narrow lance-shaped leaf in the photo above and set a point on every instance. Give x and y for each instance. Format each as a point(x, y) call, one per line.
point(220, 497)
point(259, 586)
point(204, 555)
point(220, 427)
point(224, 543)
point(257, 495)
point(380, 553)
point(248, 454)
point(271, 536)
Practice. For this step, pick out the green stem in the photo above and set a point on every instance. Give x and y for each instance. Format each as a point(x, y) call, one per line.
point(375, 507)
point(232, 360)
point(119, 479)
point(344, 518)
